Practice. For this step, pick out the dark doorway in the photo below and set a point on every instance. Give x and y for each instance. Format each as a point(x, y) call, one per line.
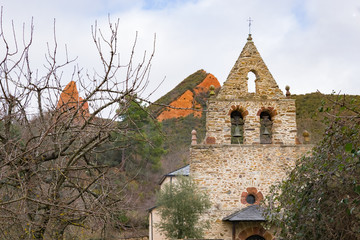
point(255, 237)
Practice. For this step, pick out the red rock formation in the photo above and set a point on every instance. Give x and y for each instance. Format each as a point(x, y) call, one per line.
point(187, 100)
point(205, 85)
point(70, 100)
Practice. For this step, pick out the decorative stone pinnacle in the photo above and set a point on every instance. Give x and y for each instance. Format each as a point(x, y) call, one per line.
point(193, 137)
point(287, 88)
point(306, 136)
point(249, 38)
point(212, 90)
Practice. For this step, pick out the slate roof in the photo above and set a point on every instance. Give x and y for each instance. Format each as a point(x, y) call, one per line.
point(184, 171)
point(252, 213)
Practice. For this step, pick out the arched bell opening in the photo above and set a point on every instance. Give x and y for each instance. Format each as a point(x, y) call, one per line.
point(265, 128)
point(237, 127)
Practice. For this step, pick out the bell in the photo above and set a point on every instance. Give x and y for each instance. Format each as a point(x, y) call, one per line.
point(237, 132)
point(266, 131)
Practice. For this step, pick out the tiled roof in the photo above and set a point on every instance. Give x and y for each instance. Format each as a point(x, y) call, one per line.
point(249, 214)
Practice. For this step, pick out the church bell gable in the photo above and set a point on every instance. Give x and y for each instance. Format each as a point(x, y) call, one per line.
point(237, 83)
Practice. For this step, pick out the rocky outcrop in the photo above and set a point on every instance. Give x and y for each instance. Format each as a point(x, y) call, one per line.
point(69, 100)
point(187, 102)
point(206, 83)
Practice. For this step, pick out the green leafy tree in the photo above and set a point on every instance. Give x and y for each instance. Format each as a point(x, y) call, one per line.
point(143, 137)
point(141, 142)
point(181, 205)
point(320, 199)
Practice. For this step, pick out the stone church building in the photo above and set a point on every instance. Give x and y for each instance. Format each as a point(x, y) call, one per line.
point(250, 143)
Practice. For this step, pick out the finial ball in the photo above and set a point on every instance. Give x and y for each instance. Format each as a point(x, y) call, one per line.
point(212, 90)
point(306, 134)
point(288, 94)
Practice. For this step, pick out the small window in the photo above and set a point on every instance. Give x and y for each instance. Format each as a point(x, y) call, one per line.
point(250, 199)
point(265, 128)
point(237, 128)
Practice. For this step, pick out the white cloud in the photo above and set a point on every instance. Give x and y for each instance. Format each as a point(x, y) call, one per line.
point(308, 45)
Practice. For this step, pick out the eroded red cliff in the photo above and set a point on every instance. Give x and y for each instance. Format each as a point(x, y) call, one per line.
point(69, 100)
point(186, 104)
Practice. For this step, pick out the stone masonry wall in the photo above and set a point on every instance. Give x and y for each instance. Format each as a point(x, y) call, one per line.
point(225, 171)
point(218, 124)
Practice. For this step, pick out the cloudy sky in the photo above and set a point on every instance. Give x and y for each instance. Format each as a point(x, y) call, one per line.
point(307, 44)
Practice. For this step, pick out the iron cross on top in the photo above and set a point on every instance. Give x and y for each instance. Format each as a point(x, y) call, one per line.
point(250, 20)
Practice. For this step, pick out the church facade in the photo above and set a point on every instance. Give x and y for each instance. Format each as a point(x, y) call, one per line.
point(250, 144)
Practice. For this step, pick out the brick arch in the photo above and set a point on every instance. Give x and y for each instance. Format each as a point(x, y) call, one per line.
point(253, 191)
point(242, 110)
point(250, 231)
point(269, 110)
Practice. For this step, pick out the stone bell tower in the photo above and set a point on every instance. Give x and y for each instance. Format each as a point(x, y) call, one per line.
point(250, 144)
point(267, 106)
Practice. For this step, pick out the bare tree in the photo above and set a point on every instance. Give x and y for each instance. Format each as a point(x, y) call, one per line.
point(48, 179)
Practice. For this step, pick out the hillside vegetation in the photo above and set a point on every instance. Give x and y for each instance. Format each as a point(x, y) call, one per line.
point(311, 112)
